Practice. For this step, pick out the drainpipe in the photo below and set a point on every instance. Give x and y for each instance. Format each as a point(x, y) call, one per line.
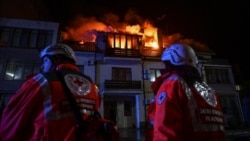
point(143, 88)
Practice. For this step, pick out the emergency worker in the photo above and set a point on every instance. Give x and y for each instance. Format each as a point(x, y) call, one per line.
point(186, 107)
point(151, 110)
point(39, 110)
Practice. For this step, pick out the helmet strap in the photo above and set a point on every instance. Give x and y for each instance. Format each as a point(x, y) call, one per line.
point(55, 61)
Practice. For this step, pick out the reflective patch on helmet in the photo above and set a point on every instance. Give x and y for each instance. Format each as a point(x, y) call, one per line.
point(176, 57)
point(78, 84)
point(161, 97)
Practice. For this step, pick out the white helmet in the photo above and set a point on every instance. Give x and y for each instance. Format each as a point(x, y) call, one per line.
point(58, 49)
point(180, 54)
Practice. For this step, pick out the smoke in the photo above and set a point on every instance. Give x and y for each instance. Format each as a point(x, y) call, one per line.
point(179, 38)
point(85, 28)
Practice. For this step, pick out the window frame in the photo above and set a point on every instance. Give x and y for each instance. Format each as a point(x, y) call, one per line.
point(119, 73)
point(216, 74)
point(14, 63)
point(154, 73)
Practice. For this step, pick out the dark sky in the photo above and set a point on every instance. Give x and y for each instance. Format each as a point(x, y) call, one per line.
point(220, 24)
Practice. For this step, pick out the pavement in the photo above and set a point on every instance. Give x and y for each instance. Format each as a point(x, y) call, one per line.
point(133, 134)
point(238, 135)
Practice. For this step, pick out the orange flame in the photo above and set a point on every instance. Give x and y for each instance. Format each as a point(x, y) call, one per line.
point(150, 35)
point(85, 30)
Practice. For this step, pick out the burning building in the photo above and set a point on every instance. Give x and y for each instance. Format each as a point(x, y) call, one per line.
point(131, 62)
point(122, 58)
point(135, 40)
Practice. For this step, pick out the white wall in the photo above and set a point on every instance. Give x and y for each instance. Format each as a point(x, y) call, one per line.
point(89, 69)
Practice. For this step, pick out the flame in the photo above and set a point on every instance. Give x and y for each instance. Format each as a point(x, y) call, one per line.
point(133, 29)
point(84, 29)
point(81, 42)
point(150, 35)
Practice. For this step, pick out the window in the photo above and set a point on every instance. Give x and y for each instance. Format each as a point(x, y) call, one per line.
point(33, 38)
point(135, 42)
point(153, 74)
point(18, 69)
point(117, 41)
point(44, 38)
point(4, 35)
point(41, 39)
point(123, 41)
point(124, 44)
point(49, 37)
point(121, 73)
point(27, 38)
point(16, 37)
point(217, 75)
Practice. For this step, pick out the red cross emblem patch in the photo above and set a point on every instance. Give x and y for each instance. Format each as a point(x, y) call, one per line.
point(77, 84)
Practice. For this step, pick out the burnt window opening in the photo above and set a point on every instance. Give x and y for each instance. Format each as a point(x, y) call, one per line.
point(124, 41)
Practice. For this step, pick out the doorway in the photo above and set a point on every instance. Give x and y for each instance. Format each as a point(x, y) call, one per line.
point(110, 110)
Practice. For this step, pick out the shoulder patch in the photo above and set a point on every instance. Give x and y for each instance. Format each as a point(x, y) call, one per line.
point(162, 97)
point(78, 84)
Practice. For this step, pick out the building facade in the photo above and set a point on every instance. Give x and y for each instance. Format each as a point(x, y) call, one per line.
point(119, 63)
point(20, 45)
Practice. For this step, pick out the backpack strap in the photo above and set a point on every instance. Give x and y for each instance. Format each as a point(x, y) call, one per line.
point(73, 104)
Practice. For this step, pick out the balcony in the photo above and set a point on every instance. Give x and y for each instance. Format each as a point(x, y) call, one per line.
point(117, 52)
point(120, 84)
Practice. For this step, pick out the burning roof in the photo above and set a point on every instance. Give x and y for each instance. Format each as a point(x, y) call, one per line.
point(85, 29)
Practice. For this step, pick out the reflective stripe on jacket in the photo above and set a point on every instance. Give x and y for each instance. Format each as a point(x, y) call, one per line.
point(184, 113)
point(39, 111)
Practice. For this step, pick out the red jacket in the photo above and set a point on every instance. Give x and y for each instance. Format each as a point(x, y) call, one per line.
point(39, 111)
point(184, 113)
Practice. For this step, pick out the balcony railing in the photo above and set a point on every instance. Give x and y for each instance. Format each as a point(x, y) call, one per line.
point(119, 84)
point(117, 52)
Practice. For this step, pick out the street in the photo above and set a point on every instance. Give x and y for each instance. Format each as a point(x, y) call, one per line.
point(133, 134)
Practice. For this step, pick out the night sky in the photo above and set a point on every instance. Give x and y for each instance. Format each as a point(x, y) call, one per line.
point(220, 24)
